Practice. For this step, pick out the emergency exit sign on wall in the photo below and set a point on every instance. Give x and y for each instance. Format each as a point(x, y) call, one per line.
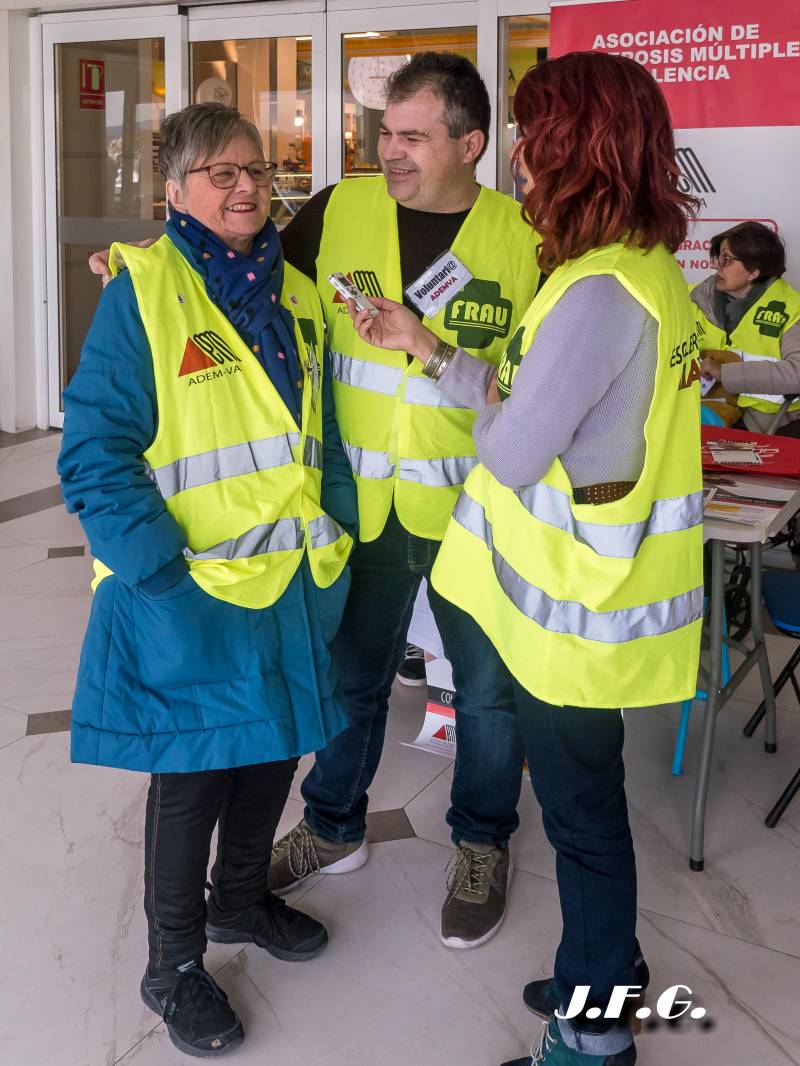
point(93, 84)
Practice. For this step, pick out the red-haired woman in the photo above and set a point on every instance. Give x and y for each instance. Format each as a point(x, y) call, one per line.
point(576, 545)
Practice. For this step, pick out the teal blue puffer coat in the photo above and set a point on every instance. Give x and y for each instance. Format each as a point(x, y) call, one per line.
point(171, 679)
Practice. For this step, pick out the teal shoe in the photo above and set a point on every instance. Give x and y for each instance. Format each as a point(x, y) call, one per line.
point(552, 1050)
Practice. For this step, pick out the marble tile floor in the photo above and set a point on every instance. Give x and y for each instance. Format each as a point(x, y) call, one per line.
point(72, 939)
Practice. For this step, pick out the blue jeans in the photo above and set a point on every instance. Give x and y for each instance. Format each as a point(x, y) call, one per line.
point(577, 773)
point(386, 575)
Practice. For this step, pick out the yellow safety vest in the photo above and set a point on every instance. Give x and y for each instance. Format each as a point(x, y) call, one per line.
point(234, 469)
point(405, 439)
point(758, 335)
point(596, 605)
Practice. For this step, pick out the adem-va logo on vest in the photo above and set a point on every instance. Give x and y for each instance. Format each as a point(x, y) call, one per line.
point(207, 356)
point(478, 314)
point(366, 280)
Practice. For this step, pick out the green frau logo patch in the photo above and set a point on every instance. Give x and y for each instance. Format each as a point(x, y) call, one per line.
point(771, 319)
point(512, 357)
point(478, 314)
point(308, 331)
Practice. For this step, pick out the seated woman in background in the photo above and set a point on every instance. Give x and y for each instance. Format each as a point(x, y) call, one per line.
point(196, 430)
point(747, 309)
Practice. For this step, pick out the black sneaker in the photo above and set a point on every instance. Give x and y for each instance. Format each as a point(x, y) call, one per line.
point(541, 997)
point(283, 931)
point(199, 1019)
point(412, 671)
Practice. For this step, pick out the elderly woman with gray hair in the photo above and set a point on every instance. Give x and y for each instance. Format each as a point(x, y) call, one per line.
point(201, 454)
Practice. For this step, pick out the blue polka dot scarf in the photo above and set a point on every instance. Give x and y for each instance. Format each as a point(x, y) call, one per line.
point(247, 289)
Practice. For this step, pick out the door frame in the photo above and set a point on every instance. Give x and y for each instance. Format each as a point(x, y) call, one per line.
point(73, 28)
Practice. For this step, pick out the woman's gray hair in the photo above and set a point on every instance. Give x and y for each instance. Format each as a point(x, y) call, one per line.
point(199, 132)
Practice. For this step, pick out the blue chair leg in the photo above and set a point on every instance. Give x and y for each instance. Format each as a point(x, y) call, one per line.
point(680, 739)
point(686, 707)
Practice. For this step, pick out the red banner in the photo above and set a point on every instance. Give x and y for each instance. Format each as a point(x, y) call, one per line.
point(738, 65)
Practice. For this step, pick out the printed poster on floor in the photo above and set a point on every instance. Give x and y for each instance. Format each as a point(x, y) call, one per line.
point(730, 71)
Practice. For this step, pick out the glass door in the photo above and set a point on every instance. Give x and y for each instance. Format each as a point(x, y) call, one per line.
point(523, 42)
point(269, 62)
point(107, 86)
point(364, 47)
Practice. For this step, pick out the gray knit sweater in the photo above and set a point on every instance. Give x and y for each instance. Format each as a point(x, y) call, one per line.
point(582, 392)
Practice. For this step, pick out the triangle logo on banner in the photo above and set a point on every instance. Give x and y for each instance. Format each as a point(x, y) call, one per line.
point(440, 734)
point(194, 359)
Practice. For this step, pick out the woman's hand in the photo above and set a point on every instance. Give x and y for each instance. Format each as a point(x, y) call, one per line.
point(395, 328)
point(710, 368)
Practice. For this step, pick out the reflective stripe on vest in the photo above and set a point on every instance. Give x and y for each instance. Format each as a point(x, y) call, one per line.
point(324, 530)
point(360, 374)
point(312, 453)
point(422, 391)
point(437, 473)
point(552, 506)
point(284, 535)
point(220, 463)
point(573, 618)
point(386, 380)
point(452, 470)
point(368, 464)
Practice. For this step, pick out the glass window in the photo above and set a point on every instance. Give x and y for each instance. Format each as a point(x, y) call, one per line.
point(368, 59)
point(524, 40)
point(269, 81)
point(110, 107)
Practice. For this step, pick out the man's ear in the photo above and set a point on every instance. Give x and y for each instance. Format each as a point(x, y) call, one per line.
point(473, 145)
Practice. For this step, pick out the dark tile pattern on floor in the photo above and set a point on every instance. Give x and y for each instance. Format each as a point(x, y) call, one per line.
point(48, 722)
point(64, 553)
point(30, 503)
point(388, 825)
point(8, 440)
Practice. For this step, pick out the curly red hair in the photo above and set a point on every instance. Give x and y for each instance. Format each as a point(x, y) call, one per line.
point(597, 139)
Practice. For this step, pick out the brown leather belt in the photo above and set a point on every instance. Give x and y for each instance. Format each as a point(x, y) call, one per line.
point(606, 492)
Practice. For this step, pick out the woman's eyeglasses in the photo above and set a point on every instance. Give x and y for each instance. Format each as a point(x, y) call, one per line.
point(226, 175)
point(724, 260)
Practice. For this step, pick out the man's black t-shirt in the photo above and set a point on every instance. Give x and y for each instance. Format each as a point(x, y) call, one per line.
point(423, 236)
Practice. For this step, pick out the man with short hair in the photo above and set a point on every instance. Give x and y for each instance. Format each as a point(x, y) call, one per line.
point(427, 233)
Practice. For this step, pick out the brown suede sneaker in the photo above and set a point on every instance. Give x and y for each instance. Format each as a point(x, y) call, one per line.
point(301, 853)
point(479, 877)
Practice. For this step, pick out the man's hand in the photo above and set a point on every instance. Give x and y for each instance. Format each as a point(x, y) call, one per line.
point(98, 264)
point(395, 328)
point(98, 261)
point(492, 395)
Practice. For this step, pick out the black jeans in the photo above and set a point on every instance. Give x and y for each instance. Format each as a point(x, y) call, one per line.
point(182, 810)
point(577, 773)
